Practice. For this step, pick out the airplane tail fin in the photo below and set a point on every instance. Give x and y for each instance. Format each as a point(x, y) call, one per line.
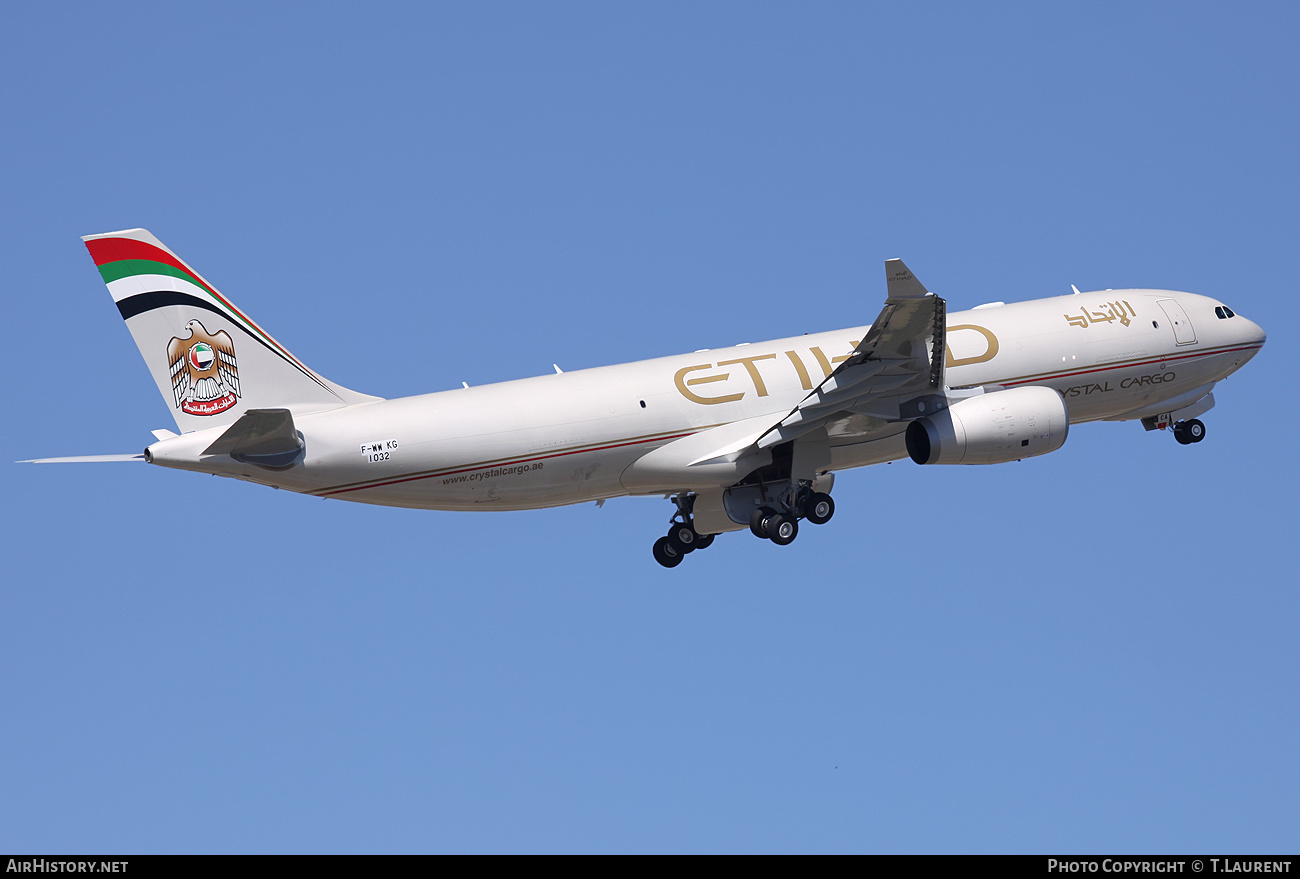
point(211, 362)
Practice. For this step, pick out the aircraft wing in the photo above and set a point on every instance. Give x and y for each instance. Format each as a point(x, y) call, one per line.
point(887, 378)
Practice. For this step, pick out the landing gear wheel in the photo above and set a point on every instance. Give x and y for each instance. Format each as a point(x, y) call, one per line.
point(665, 554)
point(819, 508)
point(1195, 430)
point(758, 521)
point(1181, 434)
point(782, 529)
point(683, 538)
point(703, 541)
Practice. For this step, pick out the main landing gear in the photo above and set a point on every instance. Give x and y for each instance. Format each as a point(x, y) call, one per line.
point(777, 521)
point(781, 526)
point(682, 538)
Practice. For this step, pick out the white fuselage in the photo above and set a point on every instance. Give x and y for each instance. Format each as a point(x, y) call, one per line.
point(571, 437)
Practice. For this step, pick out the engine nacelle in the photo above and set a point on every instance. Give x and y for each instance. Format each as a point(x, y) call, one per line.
point(991, 428)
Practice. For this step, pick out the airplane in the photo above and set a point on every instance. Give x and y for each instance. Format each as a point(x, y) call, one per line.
point(746, 437)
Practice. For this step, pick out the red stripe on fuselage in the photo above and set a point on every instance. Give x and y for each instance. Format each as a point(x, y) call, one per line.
point(1052, 376)
point(510, 463)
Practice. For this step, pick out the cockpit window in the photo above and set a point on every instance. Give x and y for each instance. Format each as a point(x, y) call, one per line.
point(1223, 312)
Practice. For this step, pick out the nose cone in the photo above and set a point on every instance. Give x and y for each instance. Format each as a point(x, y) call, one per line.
point(1253, 332)
point(1247, 334)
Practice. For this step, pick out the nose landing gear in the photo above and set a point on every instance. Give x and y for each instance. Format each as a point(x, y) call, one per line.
point(1190, 431)
point(1187, 431)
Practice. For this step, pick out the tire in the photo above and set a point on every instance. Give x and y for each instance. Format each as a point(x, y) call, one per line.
point(819, 508)
point(1195, 430)
point(683, 537)
point(1181, 434)
point(783, 529)
point(666, 555)
point(703, 541)
point(758, 521)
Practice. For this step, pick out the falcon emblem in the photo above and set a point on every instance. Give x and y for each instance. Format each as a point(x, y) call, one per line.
point(205, 376)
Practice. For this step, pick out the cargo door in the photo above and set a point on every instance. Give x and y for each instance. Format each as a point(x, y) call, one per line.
point(1184, 334)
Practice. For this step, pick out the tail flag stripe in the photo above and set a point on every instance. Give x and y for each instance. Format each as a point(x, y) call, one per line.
point(210, 361)
point(118, 258)
point(110, 250)
point(126, 268)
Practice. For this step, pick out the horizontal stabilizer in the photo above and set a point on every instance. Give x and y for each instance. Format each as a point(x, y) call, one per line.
point(86, 459)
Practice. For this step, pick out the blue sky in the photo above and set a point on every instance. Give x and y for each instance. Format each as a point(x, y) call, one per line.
point(1090, 651)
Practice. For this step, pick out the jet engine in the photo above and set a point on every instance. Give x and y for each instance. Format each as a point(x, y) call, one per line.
point(991, 428)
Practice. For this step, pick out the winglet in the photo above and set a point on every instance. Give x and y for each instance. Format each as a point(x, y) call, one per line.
point(902, 283)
